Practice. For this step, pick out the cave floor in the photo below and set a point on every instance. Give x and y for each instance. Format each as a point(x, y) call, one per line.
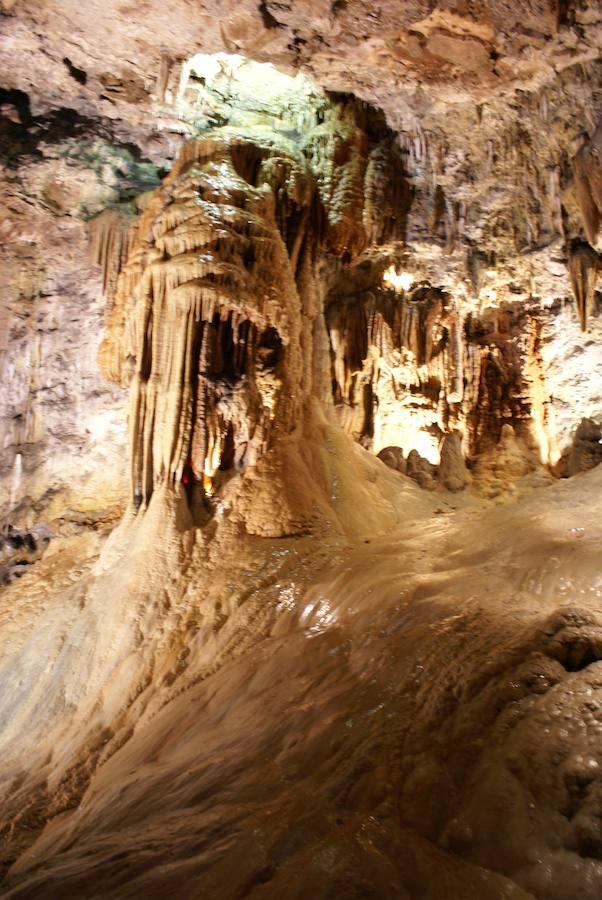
point(412, 714)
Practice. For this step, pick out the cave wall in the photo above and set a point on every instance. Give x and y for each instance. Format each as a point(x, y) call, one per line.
point(62, 425)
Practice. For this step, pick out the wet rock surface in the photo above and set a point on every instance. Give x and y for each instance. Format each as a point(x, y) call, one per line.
point(401, 689)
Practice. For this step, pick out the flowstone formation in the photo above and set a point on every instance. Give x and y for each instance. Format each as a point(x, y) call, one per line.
point(214, 317)
point(203, 313)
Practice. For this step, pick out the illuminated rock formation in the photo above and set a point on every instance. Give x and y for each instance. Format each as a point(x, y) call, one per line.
point(204, 311)
point(212, 319)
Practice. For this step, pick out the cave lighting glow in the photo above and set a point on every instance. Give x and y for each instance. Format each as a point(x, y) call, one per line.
point(405, 431)
point(215, 79)
point(399, 281)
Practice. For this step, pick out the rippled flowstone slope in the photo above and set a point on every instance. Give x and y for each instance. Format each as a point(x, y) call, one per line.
point(409, 713)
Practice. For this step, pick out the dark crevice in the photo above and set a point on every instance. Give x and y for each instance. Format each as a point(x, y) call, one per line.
point(78, 74)
point(19, 550)
point(22, 138)
point(573, 638)
point(21, 134)
point(566, 13)
point(247, 160)
point(580, 654)
point(20, 100)
point(369, 119)
point(268, 19)
point(338, 6)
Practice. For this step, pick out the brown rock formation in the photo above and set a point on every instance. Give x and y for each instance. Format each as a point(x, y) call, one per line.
point(588, 178)
point(586, 452)
point(584, 265)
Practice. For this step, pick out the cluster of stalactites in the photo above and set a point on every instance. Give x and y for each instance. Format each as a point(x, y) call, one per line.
point(408, 369)
point(387, 195)
point(411, 342)
point(362, 187)
point(424, 324)
point(110, 245)
point(202, 311)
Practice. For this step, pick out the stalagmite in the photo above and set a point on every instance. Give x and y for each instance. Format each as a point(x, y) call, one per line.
point(452, 472)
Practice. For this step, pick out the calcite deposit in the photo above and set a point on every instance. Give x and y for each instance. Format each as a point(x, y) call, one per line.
point(301, 425)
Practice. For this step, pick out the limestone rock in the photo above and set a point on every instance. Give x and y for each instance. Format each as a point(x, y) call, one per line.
point(452, 472)
point(394, 458)
point(586, 452)
point(421, 470)
point(289, 277)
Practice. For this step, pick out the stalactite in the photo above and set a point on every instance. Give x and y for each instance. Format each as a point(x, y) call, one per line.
point(163, 76)
point(362, 186)
point(110, 243)
point(584, 267)
point(555, 201)
point(588, 181)
point(387, 348)
point(456, 360)
point(387, 195)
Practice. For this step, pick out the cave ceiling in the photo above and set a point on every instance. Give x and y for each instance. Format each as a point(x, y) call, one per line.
point(491, 101)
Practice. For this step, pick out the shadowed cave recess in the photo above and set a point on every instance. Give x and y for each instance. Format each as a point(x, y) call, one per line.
point(301, 410)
